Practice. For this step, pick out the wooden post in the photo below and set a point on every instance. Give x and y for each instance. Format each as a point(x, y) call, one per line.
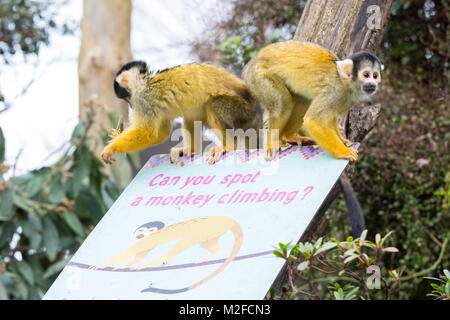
point(343, 27)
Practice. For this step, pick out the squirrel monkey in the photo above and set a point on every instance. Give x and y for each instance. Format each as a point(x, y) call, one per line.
point(300, 83)
point(197, 92)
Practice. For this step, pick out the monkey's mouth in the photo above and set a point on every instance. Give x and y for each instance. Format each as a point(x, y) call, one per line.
point(370, 89)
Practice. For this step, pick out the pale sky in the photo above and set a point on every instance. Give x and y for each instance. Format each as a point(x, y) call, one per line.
point(43, 119)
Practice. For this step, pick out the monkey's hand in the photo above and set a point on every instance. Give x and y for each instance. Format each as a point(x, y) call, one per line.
point(107, 154)
point(216, 154)
point(114, 133)
point(176, 153)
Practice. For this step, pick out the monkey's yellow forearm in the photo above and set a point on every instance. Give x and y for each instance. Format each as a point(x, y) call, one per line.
point(327, 137)
point(133, 139)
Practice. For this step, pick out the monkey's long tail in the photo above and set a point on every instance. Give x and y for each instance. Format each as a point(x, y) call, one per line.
point(237, 232)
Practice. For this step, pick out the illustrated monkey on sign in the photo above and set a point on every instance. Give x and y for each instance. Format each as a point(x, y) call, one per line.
point(302, 84)
point(204, 231)
point(196, 92)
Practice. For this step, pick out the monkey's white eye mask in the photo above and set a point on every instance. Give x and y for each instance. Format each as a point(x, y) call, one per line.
point(368, 75)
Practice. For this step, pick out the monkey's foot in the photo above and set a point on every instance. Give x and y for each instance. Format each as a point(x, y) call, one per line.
point(176, 153)
point(215, 154)
point(107, 155)
point(351, 156)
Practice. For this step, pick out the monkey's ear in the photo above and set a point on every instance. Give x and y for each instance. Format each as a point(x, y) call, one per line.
point(124, 79)
point(345, 68)
point(382, 67)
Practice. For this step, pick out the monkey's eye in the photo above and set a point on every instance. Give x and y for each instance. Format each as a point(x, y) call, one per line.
point(366, 74)
point(375, 75)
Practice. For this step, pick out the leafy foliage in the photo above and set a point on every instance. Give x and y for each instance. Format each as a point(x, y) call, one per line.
point(25, 25)
point(442, 290)
point(353, 266)
point(249, 26)
point(46, 214)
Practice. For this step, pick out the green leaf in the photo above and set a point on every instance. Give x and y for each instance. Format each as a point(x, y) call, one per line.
point(51, 238)
point(2, 146)
point(55, 268)
point(390, 249)
point(377, 239)
point(302, 266)
point(3, 292)
point(26, 271)
point(88, 206)
point(327, 246)
point(21, 289)
point(31, 183)
point(78, 131)
point(73, 222)
point(318, 243)
point(6, 204)
point(56, 191)
point(363, 236)
point(350, 258)
point(385, 237)
point(278, 254)
point(6, 232)
point(24, 203)
point(447, 273)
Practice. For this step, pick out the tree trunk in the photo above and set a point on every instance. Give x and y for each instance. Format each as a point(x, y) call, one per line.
point(105, 46)
point(343, 27)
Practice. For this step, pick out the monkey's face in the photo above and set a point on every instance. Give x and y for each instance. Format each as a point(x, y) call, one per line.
point(369, 76)
point(143, 231)
point(365, 73)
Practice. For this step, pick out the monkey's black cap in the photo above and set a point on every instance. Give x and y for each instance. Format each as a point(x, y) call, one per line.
point(362, 56)
point(120, 91)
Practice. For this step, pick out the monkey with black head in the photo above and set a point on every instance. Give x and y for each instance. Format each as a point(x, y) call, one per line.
point(196, 92)
point(302, 85)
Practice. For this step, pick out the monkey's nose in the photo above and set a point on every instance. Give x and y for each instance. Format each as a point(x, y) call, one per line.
point(369, 87)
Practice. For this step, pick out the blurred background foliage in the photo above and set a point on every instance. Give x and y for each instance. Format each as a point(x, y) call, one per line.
point(402, 179)
point(25, 26)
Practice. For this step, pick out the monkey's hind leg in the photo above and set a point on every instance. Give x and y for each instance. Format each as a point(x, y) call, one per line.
point(295, 122)
point(225, 112)
point(277, 102)
point(323, 130)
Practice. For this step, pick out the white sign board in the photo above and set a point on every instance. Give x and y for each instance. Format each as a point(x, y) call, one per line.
point(200, 231)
